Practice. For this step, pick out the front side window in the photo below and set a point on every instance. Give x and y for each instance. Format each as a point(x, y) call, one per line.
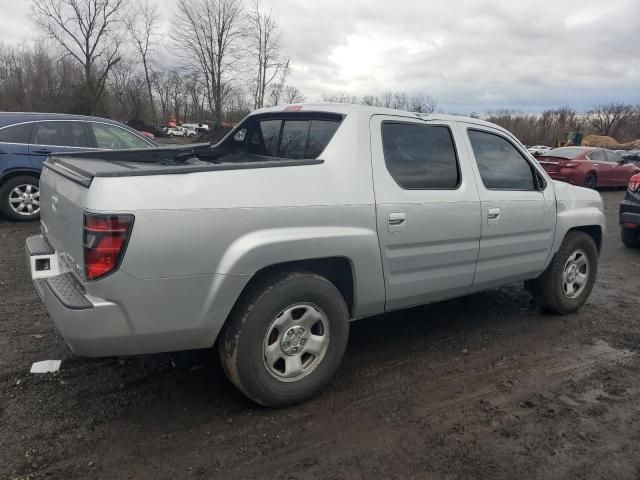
point(501, 165)
point(613, 156)
point(62, 134)
point(111, 137)
point(16, 133)
point(420, 156)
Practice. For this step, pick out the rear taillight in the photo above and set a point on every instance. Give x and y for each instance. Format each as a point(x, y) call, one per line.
point(105, 240)
point(634, 183)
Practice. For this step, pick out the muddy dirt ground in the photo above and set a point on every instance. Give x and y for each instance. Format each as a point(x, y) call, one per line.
point(486, 386)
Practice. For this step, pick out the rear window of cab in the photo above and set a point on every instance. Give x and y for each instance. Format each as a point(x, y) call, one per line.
point(293, 136)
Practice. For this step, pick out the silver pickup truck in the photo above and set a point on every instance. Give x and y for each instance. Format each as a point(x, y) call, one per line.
point(302, 219)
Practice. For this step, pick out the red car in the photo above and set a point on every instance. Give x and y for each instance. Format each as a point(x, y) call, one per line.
point(148, 135)
point(588, 167)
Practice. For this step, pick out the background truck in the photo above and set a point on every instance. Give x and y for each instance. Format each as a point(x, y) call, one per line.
point(300, 220)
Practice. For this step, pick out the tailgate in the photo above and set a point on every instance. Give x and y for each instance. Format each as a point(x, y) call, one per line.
point(63, 196)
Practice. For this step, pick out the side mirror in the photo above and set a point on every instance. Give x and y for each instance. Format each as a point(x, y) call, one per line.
point(623, 161)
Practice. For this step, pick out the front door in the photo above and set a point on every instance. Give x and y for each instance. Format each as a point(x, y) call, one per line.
point(518, 210)
point(622, 171)
point(428, 210)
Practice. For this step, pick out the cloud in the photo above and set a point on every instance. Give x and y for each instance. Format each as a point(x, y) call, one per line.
point(471, 55)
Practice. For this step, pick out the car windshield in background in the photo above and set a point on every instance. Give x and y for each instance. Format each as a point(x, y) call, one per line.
point(568, 153)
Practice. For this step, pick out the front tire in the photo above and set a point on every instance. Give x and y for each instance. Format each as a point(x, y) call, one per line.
point(20, 198)
point(568, 281)
point(591, 181)
point(630, 237)
point(285, 339)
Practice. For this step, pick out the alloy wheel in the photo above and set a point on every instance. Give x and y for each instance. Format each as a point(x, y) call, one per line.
point(25, 199)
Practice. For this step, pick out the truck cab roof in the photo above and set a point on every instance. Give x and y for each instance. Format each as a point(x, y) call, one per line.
point(348, 108)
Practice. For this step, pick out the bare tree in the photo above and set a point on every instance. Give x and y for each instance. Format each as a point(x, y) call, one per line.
point(291, 94)
point(142, 26)
point(264, 38)
point(339, 97)
point(422, 103)
point(127, 87)
point(371, 100)
point(88, 31)
point(207, 32)
point(275, 93)
point(608, 119)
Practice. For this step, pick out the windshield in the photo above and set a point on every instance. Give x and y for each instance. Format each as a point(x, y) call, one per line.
point(568, 153)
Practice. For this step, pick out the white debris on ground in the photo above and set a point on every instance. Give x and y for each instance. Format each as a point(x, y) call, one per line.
point(46, 366)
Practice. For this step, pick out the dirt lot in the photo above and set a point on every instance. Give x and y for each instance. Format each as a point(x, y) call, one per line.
point(481, 387)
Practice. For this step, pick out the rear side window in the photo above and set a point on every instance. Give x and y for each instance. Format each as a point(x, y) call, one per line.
point(62, 134)
point(116, 138)
point(420, 156)
point(290, 139)
point(16, 133)
point(264, 139)
point(596, 156)
point(501, 165)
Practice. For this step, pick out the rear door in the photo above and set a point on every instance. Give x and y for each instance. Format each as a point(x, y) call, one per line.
point(57, 136)
point(14, 147)
point(518, 210)
point(427, 207)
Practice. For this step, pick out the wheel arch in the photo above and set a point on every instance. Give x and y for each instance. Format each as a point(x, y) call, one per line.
point(338, 270)
point(17, 172)
point(349, 257)
point(594, 231)
point(591, 172)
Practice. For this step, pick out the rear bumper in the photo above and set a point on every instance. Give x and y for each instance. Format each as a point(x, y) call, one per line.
point(146, 316)
point(90, 327)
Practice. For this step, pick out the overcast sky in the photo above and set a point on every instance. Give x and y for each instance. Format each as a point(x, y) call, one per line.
point(471, 55)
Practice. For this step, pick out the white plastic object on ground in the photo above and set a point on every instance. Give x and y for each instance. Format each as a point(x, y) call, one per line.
point(46, 366)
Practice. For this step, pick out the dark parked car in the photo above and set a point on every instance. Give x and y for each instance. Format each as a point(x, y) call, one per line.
point(630, 214)
point(588, 167)
point(27, 138)
point(632, 155)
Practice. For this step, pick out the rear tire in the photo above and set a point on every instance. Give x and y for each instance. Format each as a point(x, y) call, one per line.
point(285, 339)
point(630, 237)
point(591, 181)
point(18, 195)
point(568, 281)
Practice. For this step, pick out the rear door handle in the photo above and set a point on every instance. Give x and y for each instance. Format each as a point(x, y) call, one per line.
point(42, 152)
point(493, 215)
point(397, 219)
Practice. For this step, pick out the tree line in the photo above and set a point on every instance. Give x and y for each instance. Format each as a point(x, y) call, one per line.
point(617, 120)
point(102, 57)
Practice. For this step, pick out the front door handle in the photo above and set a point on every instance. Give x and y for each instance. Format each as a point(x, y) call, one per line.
point(493, 214)
point(397, 219)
